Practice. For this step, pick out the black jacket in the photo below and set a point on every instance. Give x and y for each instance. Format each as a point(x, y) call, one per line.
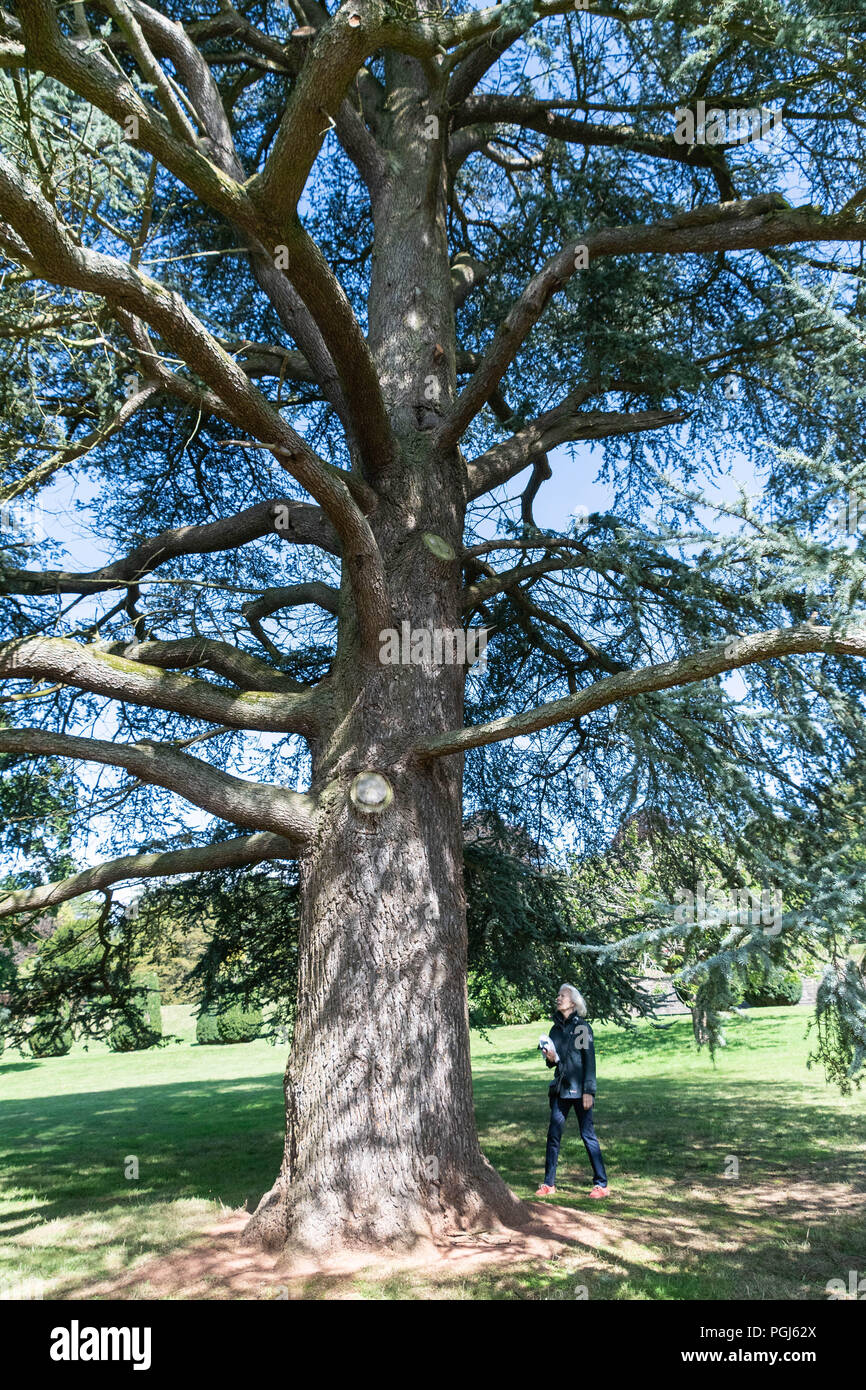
point(575, 1070)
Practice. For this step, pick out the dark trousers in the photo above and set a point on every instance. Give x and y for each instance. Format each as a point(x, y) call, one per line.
point(559, 1109)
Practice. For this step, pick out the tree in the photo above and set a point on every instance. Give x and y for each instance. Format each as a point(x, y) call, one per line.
point(305, 290)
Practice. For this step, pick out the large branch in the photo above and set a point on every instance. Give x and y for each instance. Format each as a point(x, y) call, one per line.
point(293, 596)
point(244, 670)
point(169, 39)
point(224, 854)
point(558, 426)
point(297, 521)
point(55, 257)
point(102, 672)
point(501, 109)
point(700, 666)
point(254, 805)
point(751, 224)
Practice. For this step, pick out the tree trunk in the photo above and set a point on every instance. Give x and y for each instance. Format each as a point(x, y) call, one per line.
point(700, 1025)
point(381, 1144)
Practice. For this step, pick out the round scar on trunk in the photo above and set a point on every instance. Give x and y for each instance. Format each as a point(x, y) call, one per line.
point(437, 546)
point(371, 792)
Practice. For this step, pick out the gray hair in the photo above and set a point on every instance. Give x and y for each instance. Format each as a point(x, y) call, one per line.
point(577, 999)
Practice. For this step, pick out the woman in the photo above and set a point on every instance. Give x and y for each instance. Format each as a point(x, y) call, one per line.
point(570, 1048)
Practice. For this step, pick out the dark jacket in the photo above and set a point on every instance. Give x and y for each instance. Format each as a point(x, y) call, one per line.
point(575, 1070)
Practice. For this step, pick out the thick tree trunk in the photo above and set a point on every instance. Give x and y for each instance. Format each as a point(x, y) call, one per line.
point(381, 1148)
point(381, 1145)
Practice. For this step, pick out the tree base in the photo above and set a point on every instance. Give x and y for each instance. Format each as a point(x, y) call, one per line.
point(315, 1231)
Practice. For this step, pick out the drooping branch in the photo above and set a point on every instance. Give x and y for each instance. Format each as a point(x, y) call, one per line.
point(255, 805)
point(102, 672)
point(699, 666)
point(751, 224)
point(242, 851)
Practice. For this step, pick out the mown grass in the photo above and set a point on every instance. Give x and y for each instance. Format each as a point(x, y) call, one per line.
point(204, 1124)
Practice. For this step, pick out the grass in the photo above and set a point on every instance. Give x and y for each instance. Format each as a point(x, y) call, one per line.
point(204, 1124)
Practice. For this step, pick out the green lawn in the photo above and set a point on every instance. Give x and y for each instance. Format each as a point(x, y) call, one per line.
point(205, 1126)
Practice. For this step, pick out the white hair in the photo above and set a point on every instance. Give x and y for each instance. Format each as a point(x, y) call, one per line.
point(577, 999)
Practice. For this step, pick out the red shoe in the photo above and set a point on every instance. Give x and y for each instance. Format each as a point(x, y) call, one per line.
point(599, 1192)
point(545, 1191)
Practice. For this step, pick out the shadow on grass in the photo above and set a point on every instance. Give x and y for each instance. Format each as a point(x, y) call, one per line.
point(223, 1139)
point(23, 1065)
point(213, 1140)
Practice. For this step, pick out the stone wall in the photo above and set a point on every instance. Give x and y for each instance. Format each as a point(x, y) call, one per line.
point(669, 1004)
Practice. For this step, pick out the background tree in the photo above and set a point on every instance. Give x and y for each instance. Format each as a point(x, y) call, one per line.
point(305, 291)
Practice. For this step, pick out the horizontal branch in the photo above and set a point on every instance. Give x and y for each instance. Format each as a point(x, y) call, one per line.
point(293, 596)
point(299, 522)
point(244, 670)
point(224, 854)
point(700, 666)
point(503, 109)
point(101, 672)
point(558, 426)
point(255, 805)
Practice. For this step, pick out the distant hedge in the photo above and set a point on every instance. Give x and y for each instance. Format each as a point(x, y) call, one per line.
point(142, 1028)
point(51, 1036)
point(771, 988)
point(233, 1024)
point(206, 1029)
